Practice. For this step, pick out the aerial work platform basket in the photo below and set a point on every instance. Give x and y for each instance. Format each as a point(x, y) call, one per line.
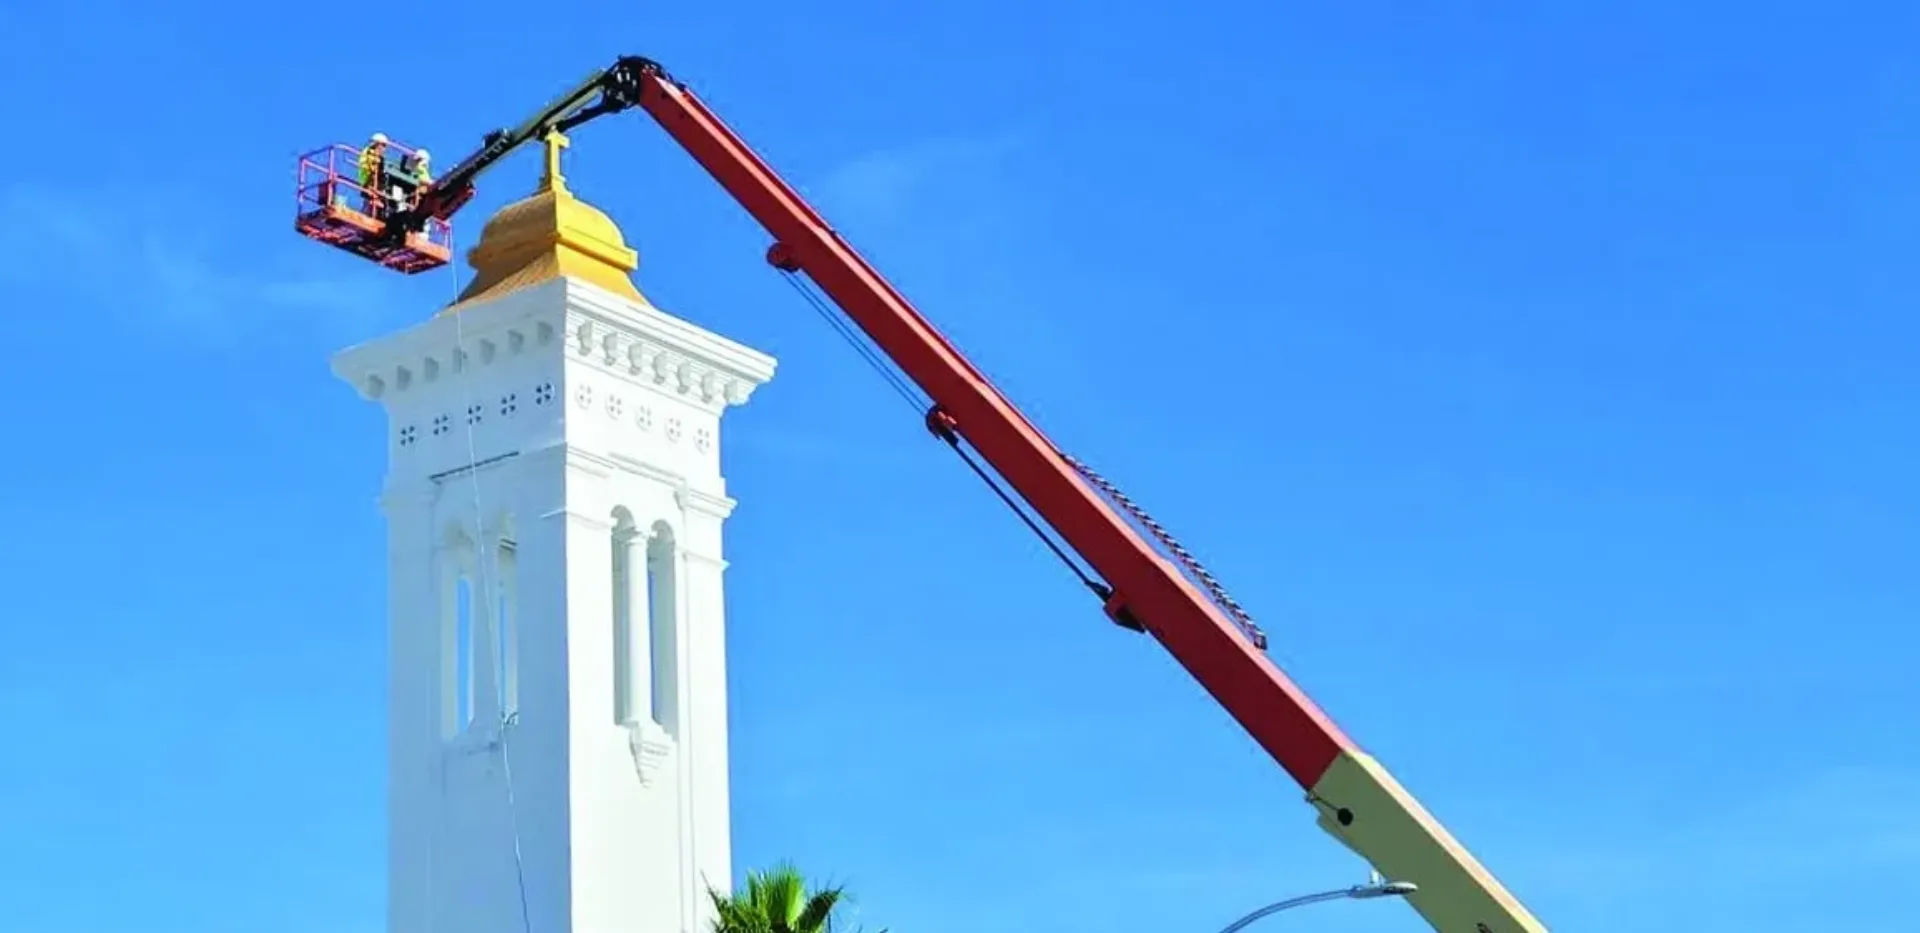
point(335, 208)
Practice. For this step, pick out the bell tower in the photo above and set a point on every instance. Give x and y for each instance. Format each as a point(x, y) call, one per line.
point(557, 732)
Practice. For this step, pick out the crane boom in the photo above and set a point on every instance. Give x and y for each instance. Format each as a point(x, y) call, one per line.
point(1357, 801)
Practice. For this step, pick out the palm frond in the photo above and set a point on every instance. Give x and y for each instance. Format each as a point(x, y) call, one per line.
point(816, 916)
point(783, 895)
point(777, 900)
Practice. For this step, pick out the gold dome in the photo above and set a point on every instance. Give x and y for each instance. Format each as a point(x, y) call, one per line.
point(545, 236)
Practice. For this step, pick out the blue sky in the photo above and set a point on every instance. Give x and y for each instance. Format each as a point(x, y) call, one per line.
point(1540, 374)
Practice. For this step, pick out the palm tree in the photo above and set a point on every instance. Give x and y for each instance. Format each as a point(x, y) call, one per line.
point(777, 901)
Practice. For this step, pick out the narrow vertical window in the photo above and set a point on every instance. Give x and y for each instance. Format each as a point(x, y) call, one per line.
point(463, 652)
point(624, 711)
point(506, 625)
point(663, 629)
point(447, 680)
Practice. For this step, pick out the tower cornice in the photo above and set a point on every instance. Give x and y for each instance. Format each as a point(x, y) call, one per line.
point(639, 343)
point(629, 340)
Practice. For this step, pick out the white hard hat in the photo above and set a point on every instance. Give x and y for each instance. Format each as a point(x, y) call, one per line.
point(379, 137)
point(422, 153)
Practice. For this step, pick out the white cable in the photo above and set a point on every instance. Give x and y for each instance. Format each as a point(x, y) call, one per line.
point(513, 821)
point(489, 589)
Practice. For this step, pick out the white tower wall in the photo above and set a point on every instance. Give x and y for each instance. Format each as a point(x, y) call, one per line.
point(558, 723)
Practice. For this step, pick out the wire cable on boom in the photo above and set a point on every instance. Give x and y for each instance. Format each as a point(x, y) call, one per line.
point(911, 393)
point(921, 405)
point(1033, 524)
point(836, 320)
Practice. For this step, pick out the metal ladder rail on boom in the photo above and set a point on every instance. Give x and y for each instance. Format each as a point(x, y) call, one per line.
point(1358, 802)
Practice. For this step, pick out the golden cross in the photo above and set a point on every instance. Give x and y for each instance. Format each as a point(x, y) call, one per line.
point(553, 180)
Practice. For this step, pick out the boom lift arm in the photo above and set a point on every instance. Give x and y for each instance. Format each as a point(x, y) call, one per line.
point(1358, 802)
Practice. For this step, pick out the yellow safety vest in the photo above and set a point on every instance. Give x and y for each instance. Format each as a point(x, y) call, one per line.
point(369, 166)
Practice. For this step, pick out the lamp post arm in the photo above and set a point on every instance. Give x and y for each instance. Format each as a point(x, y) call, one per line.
point(1287, 904)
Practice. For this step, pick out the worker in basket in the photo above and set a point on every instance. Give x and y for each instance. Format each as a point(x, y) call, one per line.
point(403, 178)
point(373, 164)
point(415, 167)
point(410, 176)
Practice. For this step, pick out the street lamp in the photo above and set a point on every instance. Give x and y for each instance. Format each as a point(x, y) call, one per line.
point(1358, 892)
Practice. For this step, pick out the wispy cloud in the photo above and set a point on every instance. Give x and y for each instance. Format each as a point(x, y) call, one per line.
point(1822, 831)
point(883, 185)
point(819, 449)
point(956, 216)
point(192, 269)
point(1830, 825)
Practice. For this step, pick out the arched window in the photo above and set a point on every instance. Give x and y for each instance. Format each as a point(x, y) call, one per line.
point(663, 627)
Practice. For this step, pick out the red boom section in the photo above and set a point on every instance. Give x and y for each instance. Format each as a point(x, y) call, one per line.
point(1291, 727)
